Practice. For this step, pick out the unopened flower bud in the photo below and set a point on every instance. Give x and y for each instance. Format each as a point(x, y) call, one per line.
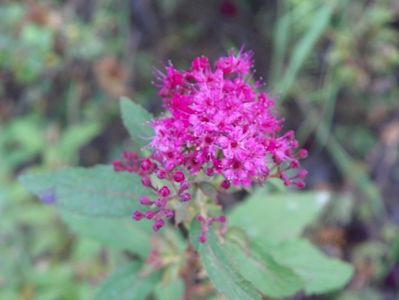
point(137, 215)
point(164, 191)
point(178, 176)
point(158, 225)
point(185, 197)
point(146, 181)
point(146, 164)
point(225, 184)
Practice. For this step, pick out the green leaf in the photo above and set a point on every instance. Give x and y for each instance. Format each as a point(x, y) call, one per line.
point(304, 48)
point(120, 233)
point(171, 291)
point(75, 137)
point(38, 37)
point(277, 217)
point(97, 191)
point(223, 274)
point(20, 141)
point(127, 283)
point(280, 42)
point(354, 172)
point(136, 120)
point(320, 273)
point(271, 278)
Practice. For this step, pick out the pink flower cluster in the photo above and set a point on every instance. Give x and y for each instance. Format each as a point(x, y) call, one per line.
point(219, 124)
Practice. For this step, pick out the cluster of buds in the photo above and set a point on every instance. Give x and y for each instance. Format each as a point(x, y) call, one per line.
point(176, 187)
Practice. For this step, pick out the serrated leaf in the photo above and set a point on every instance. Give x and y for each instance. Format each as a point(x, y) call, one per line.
point(127, 283)
point(136, 120)
point(97, 191)
point(268, 276)
point(320, 273)
point(277, 217)
point(222, 273)
point(121, 233)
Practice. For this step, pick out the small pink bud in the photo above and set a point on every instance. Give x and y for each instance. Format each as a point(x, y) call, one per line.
point(218, 164)
point(164, 191)
point(294, 164)
point(290, 134)
point(287, 182)
point(222, 219)
point(303, 153)
point(169, 166)
point(137, 215)
point(302, 173)
point(118, 167)
point(146, 181)
point(300, 184)
point(178, 176)
point(209, 172)
point(144, 200)
point(161, 174)
point(184, 186)
point(146, 164)
point(283, 176)
point(149, 214)
point(201, 219)
point(158, 225)
point(202, 239)
point(160, 203)
point(277, 159)
point(225, 184)
point(185, 197)
point(169, 213)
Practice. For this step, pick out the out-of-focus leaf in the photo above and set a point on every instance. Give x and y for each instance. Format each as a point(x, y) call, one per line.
point(120, 233)
point(37, 36)
point(136, 120)
point(171, 291)
point(268, 276)
point(20, 141)
point(304, 47)
point(363, 294)
point(320, 273)
point(11, 13)
point(223, 274)
point(127, 283)
point(75, 137)
point(97, 191)
point(353, 171)
point(277, 217)
point(280, 42)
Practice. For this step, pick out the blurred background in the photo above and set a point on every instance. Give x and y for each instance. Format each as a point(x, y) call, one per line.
point(333, 67)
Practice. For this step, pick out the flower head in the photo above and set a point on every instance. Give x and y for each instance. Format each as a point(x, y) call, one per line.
point(220, 124)
point(220, 121)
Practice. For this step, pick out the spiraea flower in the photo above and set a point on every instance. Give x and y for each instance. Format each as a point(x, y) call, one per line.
point(218, 124)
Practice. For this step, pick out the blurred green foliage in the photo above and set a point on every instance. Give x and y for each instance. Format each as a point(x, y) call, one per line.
point(333, 65)
point(96, 201)
point(38, 258)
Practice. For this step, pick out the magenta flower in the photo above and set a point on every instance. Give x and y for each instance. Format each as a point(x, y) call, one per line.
point(220, 124)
